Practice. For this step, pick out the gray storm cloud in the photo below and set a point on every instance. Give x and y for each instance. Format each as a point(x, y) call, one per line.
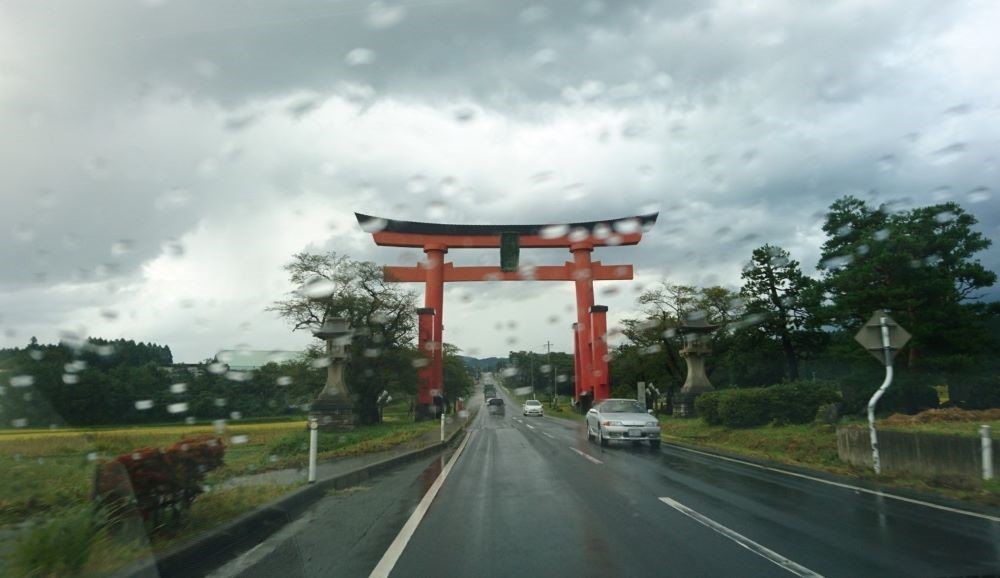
point(162, 160)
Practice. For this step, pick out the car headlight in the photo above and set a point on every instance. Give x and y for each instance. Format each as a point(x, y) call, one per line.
point(611, 422)
point(652, 424)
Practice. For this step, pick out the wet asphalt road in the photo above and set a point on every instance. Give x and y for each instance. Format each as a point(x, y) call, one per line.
point(532, 497)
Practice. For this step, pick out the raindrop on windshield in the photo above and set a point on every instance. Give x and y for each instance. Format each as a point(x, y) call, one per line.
point(888, 163)
point(359, 57)
point(949, 153)
point(172, 199)
point(178, 388)
point(284, 380)
point(373, 225)
point(627, 226)
point(22, 381)
point(383, 15)
point(144, 404)
point(70, 379)
point(436, 210)
point(543, 57)
point(941, 193)
point(238, 440)
point(945, 217)
point(979, 195)
point(235, 415)
point(553, 231)
point(317, 288)
point(578, 234)
point(179, 407)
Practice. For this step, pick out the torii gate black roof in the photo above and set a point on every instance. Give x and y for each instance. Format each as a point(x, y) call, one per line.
point(419, 228)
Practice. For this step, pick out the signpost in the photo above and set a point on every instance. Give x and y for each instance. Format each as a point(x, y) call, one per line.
point(883, 338)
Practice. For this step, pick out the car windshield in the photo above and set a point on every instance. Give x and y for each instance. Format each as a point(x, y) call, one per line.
point(267, 267)
point(621, 406)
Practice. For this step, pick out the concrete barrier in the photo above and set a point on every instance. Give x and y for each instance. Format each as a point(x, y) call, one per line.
point(924, 454)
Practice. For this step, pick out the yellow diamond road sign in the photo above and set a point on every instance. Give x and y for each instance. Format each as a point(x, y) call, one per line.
point(870, 336)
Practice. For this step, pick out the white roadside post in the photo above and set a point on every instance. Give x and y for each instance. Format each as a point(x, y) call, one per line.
point(442, 426)
point(313, 429)
point(883, 338)
point(987, 441)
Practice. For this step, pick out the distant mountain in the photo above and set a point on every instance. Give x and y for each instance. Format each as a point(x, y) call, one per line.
point(485, 364)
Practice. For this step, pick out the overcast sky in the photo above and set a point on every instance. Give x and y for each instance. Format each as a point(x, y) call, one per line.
point(161, 160)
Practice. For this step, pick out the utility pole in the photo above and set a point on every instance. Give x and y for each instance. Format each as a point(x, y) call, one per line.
point(552, 370)
point(531, 372)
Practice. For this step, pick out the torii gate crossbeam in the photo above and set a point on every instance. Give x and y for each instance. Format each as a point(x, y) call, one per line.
point(590, 339)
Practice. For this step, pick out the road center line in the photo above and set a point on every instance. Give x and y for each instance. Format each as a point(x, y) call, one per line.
point(391, 556)
point(529, 426)
point(588, 456)
point(548, 435)
point(846, 486)
point(742, 540)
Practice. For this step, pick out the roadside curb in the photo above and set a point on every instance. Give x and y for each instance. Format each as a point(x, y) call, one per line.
point(842, 479)
point(215, 547)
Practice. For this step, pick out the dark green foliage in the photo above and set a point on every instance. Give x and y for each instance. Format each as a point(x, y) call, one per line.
point(797, 402)
point(907, 394)
point(707, 407)
point(794, 402)
point(59, 546)
point(919, 264)
point(745, 407)
point(534, 369)
point(981, 392)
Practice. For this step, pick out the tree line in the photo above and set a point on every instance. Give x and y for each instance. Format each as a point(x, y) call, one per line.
point(782, 325)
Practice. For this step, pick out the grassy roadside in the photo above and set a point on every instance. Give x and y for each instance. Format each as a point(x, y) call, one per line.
point(65, 459)
point(43, 512)
point(815, 446)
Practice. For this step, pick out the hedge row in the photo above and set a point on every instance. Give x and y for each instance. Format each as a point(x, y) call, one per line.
point(795, 402)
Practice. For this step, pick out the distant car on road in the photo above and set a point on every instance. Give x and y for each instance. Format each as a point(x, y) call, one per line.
point(622, 419)
point(533, 407)
point(495, 406)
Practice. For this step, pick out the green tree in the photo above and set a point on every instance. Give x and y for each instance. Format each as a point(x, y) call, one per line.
point(919, 264)
point(776, 294)
point(381, 314)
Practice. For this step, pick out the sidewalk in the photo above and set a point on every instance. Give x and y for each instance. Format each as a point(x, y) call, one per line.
point(338, 466)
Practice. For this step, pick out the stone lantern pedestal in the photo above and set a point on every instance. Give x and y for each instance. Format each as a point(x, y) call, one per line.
point(333, 408)
point(696, 349)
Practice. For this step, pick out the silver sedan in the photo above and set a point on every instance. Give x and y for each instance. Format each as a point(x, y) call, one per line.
point(622, 419)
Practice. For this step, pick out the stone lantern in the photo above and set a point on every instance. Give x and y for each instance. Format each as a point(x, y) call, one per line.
point(697, 346)
point(333, 409)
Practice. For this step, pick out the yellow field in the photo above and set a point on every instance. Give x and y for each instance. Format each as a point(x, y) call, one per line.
point(66, 442)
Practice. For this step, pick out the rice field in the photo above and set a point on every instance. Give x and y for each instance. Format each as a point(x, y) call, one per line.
point(45, 471)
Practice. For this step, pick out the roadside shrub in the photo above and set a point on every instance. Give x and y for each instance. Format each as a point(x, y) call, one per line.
point(58, 547)
point(797, 402)
point(739, 408)
point(707, 407)
point(976, 393)
point(904, 396)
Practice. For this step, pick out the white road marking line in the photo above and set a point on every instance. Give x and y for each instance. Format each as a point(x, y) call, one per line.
point(588, 456)
point(529, 426)
point(391, 556)
point(742, 540)
point(548, 435)
point(846, 486)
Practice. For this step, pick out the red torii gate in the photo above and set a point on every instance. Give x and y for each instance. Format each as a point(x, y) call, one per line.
point(590, 340)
